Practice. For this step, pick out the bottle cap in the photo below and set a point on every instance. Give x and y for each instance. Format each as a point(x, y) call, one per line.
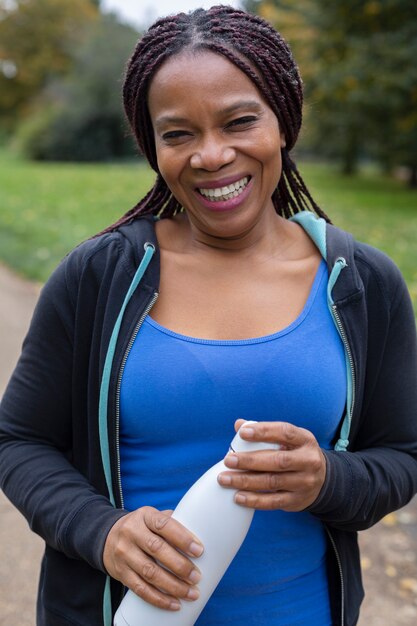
point(242, 445)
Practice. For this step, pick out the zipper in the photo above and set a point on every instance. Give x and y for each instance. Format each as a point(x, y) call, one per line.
point(118, 387)
point(350, 362)
point(343, 442)
point(342, 581)
point(348, 351)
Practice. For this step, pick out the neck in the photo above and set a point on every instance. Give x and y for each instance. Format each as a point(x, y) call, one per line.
point(272, 234)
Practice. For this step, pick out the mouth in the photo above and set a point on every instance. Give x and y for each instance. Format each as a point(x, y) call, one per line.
point(222, 194)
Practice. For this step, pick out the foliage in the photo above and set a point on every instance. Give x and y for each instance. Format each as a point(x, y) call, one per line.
point(358, 62)
point(80, 118)
point(36, 38)
point(366, 82)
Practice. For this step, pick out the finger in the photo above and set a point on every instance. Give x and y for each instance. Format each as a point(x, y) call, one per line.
point(297, 460)
point(127, 556)
point(305, 486)
point(261, 461)
point(150, 594)
point(260, 481)
point(162, 579)
point(171, 559)
point(283, 433)
point(239, 423)
point(172, 531)
point(283, 500)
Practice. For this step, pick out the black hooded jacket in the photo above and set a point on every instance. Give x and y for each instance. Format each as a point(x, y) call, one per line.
point(59, 460)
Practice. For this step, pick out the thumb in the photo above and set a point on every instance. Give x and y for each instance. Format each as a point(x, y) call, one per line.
point(239, 423)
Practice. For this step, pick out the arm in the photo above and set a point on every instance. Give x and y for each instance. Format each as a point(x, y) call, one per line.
point(379, 475)
point(36, 472)
point(348, 490)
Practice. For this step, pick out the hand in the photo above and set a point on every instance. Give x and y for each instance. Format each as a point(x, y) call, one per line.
point(289, 478)
point(134, 545)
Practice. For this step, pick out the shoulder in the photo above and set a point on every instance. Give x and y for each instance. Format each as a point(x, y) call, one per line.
point(340, 242)
point(369, 271)
point(377, 268)
point(123, 243)
point(98, 258)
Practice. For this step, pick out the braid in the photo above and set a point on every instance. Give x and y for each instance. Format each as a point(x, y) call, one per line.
point(259, 51)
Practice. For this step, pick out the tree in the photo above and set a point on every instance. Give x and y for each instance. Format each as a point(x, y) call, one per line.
point(366, 80)
point(80, 117)
point(361, 78)
point(293, 20)
point(36, 38)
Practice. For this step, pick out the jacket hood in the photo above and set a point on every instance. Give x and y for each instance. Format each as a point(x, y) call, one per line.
point(334, 245)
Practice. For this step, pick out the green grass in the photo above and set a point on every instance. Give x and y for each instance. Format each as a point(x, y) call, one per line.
point(376, 209)
point(47, 208)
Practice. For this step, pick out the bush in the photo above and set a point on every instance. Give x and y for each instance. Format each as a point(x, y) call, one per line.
point(80, 118)
point(65, 135)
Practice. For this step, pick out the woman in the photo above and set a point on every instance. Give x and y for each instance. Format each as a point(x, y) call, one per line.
point(241, 302)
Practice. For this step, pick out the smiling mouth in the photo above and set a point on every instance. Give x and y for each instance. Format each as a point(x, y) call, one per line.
point(220, 194)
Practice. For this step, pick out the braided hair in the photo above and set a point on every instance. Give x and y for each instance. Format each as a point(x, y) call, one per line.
point(238, 36)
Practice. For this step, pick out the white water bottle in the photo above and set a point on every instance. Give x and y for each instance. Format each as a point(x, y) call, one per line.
point(210, 512)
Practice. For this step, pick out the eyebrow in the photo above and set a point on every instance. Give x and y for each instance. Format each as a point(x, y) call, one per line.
point(233, 108)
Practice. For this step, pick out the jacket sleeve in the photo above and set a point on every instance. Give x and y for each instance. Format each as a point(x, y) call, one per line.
point(36, 469)
point(379, 472)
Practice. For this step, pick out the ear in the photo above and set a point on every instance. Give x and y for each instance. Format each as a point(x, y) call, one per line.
point(283, 140)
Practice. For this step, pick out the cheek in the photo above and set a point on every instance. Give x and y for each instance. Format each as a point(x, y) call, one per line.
point(167, 166)
point(160, 157)
point(266, 146)
point(270, 157)
point(170, 169)
point(273, 144)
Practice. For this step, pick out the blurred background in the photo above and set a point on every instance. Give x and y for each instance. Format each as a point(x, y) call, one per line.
point(68, 168)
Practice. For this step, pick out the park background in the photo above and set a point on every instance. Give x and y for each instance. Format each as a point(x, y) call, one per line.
point(68, 168)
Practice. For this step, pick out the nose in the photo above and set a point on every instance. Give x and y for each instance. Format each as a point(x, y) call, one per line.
point(212, 153)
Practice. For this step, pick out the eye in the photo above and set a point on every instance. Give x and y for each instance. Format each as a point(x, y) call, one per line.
point(172, 135)
point(246, 120)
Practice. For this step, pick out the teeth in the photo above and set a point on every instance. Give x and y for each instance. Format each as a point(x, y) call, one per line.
point(227, 192)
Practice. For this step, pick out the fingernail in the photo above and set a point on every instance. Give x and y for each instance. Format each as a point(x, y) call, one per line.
point(231, 460)
point(193, 594)
point(196, 548)
point(224, 479)
point(240, 499)
point(175, 605)
point(248, 432)
point(194, 577)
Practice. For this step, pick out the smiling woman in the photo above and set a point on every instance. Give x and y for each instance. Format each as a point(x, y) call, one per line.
point(223, 134)
point(224, 296)
point(265, 61)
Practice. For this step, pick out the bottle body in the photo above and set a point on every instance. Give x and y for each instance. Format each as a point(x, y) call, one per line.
point(210, 512)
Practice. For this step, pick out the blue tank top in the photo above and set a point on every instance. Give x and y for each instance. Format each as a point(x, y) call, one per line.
point(179, 399)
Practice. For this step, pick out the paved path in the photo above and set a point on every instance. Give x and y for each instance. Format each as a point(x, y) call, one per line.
point(20, 549)
point(389, 550)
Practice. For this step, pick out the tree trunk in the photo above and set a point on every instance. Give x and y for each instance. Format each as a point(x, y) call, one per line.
point(350, 155)
point(412, 180)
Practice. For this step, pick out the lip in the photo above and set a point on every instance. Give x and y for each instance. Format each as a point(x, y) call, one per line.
point(224, 182)
point(224, 205)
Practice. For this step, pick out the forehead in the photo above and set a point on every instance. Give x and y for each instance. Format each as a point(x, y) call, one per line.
point(201, 77)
